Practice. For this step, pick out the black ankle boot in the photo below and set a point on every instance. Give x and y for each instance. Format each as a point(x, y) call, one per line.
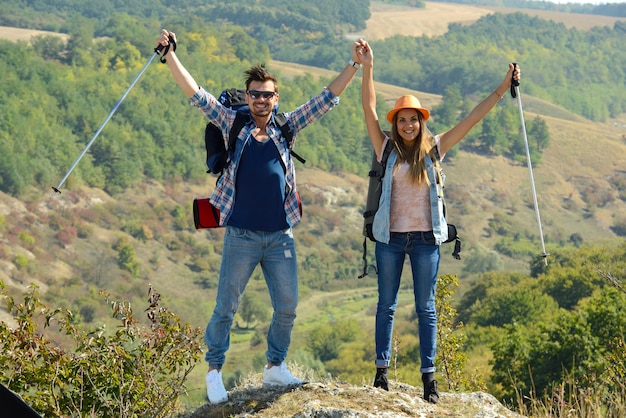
point(380, 381)
point(431, 394)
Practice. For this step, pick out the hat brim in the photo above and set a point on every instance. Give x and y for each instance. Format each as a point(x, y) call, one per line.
point(425, 112)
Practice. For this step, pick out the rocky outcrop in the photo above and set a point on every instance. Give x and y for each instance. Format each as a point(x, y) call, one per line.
point(339, 400)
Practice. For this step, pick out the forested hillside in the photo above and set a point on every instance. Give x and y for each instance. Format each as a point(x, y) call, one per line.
point(124, 220)
point(569, 67)
point(583, 79)
point(104, 52)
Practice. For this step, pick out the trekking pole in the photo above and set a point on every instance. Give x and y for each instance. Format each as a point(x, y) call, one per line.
point(515, 93)
point(157, 51)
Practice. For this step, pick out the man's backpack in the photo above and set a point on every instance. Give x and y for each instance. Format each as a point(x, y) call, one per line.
point(205, 215)
point(374, 190)
point(217, 157)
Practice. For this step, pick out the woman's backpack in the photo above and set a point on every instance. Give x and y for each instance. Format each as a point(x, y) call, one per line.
point(374, 190)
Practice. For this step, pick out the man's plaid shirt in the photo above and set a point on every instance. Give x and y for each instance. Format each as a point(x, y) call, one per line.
point(224, 194)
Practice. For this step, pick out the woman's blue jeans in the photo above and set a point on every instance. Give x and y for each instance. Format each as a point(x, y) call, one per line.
point(243, 251)
point(424, 257)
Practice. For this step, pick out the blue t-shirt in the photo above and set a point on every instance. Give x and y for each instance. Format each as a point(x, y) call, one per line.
point(260, 189)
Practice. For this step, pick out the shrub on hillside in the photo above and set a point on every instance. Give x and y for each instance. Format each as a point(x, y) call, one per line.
point(619, 227)
point(137, 370)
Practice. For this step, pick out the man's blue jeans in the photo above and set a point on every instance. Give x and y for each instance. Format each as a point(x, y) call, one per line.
point(243, 251)
point(424, 257)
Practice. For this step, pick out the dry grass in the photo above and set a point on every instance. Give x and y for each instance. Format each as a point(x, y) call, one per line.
point(388, 20)
point(568, 400)
point(18, 34)
point(570, 20)
point(433, 20)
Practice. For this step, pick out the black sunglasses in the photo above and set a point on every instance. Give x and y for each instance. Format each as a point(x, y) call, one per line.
point(257, 94)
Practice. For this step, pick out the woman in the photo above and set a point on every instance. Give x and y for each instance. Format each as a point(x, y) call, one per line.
point(410, 219)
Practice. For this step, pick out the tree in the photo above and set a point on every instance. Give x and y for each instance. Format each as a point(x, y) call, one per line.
point(569, 285)
point(481, 288)
point(582, 344)
point(126, 259)
point(493, 136)
point(80, 42)
point(450, 335)
point(48, 47)
point(539, 132)
point(446, 114)
point(325, 341)
point(511, 361)
point(576, 239)
point(482, 260)
point(521, 304)
point(253, 309)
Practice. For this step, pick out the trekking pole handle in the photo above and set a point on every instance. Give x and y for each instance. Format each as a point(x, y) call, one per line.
point(514, 82)
point(159, 48)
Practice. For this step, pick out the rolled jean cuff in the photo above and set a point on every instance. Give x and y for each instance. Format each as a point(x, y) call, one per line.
point(428, 370)
point(215, 366)
point(382, 363)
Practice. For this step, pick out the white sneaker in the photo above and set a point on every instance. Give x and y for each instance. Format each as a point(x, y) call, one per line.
point(279, 376)
point(215, 387)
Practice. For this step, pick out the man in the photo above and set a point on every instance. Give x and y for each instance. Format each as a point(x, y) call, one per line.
point(258, 206)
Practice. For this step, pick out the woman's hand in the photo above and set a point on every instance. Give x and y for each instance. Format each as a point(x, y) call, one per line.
point(361, 52)
point(514, 73)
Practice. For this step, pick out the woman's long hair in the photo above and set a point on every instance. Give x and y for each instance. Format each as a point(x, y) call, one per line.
point(415, 153)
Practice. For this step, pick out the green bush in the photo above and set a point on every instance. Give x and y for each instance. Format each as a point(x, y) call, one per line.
point(21, 262)
point(136, 371)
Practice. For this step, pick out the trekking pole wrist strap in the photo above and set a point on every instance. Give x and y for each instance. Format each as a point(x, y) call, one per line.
point(166, 49)
point(514, 82)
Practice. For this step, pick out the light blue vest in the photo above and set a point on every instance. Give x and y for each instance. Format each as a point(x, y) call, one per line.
point(380, 227)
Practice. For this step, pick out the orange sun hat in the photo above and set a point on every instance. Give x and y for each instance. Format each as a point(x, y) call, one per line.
point(407, 102)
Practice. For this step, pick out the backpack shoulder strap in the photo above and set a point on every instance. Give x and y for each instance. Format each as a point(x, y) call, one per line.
point(437, 163)
point(281, 121)
point(240, 121)
point(436, 151)
point(241, 118)
point(386, 152)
